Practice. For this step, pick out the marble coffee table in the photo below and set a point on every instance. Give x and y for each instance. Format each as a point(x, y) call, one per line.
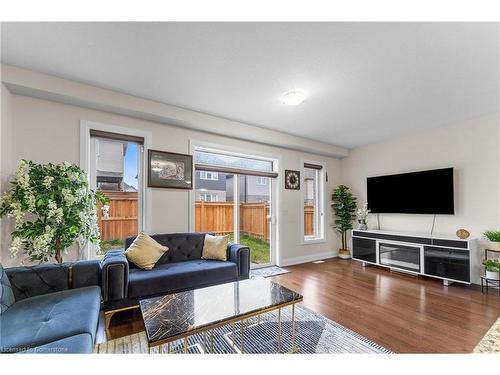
point(180, 315)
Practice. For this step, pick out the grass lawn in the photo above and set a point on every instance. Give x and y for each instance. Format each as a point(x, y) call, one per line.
point(110, 245)
point(259, 249)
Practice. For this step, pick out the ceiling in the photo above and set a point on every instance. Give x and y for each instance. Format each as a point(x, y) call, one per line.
point(365, 82)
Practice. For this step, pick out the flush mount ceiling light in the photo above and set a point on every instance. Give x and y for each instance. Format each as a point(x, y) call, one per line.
point(293, 97)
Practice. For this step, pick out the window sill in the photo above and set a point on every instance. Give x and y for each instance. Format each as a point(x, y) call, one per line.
point(312, 240)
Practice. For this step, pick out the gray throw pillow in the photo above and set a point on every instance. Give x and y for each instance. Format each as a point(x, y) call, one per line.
point(6, 295)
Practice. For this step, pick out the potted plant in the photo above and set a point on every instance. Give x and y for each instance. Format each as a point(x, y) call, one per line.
point(494, 237)
point(52, 207)
point(492, 268)
point(344, 208)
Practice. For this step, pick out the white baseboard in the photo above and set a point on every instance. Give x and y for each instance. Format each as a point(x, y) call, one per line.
point(307, 258)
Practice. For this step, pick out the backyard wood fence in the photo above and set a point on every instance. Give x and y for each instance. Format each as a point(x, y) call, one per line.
point(122, 221)
point(218, 217)
point(308, 220)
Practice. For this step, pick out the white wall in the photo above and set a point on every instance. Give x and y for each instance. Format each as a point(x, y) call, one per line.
point(5, 156)
point(46, 131)
point(471, 147)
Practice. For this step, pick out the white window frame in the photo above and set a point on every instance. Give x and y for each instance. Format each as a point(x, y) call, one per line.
point(212, 197)
point(144, 219)
point(320, 198)
point(208, 175)
point(261, 181)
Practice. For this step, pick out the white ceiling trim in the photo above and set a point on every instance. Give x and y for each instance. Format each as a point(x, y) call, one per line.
point(29, 83)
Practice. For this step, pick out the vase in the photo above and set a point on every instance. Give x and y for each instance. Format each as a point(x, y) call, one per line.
point(362, 225)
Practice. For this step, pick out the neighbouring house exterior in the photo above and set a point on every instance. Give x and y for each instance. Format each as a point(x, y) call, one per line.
point(309, 186)
point(252, 189)
point(110, 166)
point(210, 186)
point(218, 187)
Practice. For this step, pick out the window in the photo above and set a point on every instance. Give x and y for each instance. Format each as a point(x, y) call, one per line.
point(115, 171)
point(206, 197)
point(313, 202)
point(205, 175)
point(262, 181)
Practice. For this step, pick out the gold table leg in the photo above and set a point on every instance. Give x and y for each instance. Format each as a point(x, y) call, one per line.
point(233, 335)
point(293, 347)
point(212, 341)
point(185, 345)
point(279, 330)
point(242, 336)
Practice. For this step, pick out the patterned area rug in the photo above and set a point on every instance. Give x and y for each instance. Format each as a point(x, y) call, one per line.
point(314, 334)
point(268, 272)
point(490, 343)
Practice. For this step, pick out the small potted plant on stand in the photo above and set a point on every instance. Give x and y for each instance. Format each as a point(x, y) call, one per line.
point(344, 207)
point(492, 268)
point(494, 237)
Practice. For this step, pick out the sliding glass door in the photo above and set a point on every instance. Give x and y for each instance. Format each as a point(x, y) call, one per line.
point(233, 196)
point(255, 217)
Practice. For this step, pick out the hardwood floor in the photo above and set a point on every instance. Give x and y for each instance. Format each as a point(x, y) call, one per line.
point(402, 313)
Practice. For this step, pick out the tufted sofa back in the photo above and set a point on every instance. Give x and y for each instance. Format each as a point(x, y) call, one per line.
point(182, 246)
point(49, 278)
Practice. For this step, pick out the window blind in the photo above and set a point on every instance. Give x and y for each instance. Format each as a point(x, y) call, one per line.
point(312, 166)
point(231, 170)
point(116, 136)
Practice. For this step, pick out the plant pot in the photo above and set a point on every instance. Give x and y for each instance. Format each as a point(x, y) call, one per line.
point(494, 246)
point(344, 254)
point(493, 275)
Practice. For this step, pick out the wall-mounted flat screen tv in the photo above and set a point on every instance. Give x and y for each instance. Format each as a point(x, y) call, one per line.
point(426, 192)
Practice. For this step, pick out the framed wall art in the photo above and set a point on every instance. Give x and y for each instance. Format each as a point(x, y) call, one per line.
point(170, 170)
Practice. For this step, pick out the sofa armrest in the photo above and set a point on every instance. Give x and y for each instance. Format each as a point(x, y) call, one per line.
point(240, 255)
point(114, 275)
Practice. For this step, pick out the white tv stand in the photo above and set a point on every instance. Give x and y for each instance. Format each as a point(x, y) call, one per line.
point(444, 257)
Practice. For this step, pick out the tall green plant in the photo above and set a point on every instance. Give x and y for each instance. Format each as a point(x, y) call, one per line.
point(53, 208)
point(344, 208)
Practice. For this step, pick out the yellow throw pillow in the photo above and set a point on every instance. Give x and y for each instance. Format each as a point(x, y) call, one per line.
point(144, 252)
point(215, 247)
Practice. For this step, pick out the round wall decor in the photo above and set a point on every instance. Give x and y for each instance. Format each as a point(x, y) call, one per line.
point(292, 179)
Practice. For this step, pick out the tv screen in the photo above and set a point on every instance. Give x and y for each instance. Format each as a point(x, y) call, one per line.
point(427, 192)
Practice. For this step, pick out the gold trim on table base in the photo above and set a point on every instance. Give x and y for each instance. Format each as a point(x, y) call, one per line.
point(242, 320)
point(109, 314)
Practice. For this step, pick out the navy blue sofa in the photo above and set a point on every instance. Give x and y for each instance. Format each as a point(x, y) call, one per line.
point(180, 268)
point(56, 307)
point(55, 310)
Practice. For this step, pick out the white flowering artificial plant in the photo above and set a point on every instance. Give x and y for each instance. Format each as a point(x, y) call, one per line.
point(53, 208)
point(362, 214)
